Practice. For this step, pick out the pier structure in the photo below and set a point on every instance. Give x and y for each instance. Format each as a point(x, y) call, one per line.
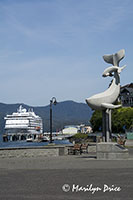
point(19, 137)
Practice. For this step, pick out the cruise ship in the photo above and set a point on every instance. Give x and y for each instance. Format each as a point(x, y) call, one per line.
point(23, 124)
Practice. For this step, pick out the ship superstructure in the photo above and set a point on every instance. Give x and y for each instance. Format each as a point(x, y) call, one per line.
point(23, 123)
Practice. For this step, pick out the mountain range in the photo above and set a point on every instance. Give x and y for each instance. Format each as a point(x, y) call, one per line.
point(64, 113)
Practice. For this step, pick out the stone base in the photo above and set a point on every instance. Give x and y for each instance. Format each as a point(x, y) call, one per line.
point(47, 151)
point(111, 151)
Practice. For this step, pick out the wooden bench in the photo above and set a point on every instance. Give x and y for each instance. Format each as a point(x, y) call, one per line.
point(78, 148)
point(75, 149)
point(121, 142)
point(84, 148)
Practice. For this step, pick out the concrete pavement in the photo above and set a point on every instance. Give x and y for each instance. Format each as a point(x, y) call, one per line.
point(66, 178)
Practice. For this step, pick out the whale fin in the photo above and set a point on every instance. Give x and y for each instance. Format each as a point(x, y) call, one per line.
point(121, 68)
point(114, 59)
point(109, 105)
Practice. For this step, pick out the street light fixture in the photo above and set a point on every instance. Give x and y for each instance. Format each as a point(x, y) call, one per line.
point(52, 101)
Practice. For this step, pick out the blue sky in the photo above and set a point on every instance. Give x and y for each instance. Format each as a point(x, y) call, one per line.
point(55, 47)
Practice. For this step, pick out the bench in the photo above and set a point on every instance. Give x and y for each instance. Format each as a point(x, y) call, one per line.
point(78, 148)
point(121, 141)
point(84, 148)
point(75, 149)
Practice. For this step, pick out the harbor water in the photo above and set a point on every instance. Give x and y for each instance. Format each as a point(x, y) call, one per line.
point(13, 144)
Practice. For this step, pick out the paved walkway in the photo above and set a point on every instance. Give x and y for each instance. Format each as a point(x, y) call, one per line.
point(82, 177)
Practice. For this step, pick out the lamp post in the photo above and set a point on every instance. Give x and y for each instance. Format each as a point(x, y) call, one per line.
point(52, 101)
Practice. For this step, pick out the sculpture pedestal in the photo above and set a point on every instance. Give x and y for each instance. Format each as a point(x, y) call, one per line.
point(111, 151)
point(106, 125)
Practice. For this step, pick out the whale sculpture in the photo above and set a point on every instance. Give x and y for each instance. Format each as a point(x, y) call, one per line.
point(106, 99)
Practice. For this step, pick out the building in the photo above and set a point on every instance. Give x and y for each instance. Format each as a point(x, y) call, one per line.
point(22, 124)
point(72, 130)
point(126, 95)
point(86, 129)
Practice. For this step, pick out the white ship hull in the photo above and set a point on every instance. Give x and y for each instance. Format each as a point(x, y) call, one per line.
point(23, 122)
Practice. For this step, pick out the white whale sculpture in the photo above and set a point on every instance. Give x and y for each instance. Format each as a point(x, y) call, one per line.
point(105, 100)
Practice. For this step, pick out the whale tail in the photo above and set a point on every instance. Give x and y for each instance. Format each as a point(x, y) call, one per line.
point(114, 59)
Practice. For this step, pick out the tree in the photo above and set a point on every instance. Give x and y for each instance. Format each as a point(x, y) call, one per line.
point(96, 120)
point(122, 119)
